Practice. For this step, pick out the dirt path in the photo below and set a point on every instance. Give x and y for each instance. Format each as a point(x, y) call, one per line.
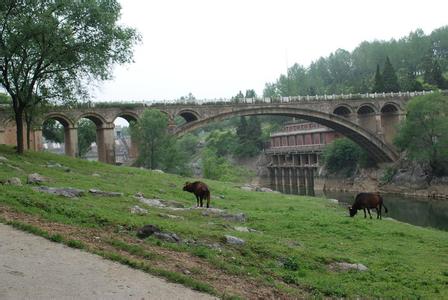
point(32, 267)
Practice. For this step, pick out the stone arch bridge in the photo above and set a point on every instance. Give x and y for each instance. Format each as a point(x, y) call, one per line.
point(370, 120)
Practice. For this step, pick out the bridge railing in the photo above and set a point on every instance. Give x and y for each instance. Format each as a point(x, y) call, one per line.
point(250, 101)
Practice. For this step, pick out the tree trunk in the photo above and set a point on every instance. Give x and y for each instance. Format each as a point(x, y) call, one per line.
point(19, 132)
point(28, 130)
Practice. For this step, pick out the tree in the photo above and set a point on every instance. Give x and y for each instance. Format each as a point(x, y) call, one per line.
point(433, 73)
point(53, 131)
point(390, 77)
point(151, 132)
point(86, 136)
point(51, 49)
point(424, 133)
point(378, 84)
point(251, 94)
point(342, 156)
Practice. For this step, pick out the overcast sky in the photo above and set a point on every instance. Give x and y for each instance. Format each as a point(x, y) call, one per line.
point(213, 48)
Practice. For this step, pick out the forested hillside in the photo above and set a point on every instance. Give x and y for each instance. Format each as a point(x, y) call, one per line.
point(415, 62)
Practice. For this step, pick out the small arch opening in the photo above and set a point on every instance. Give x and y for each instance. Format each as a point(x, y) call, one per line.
point(389, 109)
point(342, 111)
point(126, 149)
point(365, 110)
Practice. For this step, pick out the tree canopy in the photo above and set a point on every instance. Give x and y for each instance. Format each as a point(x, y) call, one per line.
point(424, 133)
point(50, 49)
point(354, 72)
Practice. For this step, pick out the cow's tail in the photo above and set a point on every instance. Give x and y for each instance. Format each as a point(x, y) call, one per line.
point(382, 202)
point(207, 195)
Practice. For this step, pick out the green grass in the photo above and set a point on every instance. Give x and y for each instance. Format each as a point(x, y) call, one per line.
point(298, 236)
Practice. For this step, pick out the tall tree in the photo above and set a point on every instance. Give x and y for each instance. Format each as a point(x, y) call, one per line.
point(390, 78)
point(378, 82)
point(52, 49)
point(424, 133)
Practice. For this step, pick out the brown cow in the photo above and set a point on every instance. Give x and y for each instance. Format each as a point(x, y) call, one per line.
point(367, 200)
point(200, 190)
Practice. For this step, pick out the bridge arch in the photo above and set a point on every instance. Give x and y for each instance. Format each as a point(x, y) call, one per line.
point(366, 115)
point(189, 115)
point(380, 151)
point(128, 116)
point(98, 119)
point(343, 110)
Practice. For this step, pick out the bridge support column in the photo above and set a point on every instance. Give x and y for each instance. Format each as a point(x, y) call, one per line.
point(71, 141)
point(276, 175)
point(36, 139)
point(295, 185)
point(379, 127)
point(283, 187)
point(302, 186)
point(310, 181)
point(105, 142)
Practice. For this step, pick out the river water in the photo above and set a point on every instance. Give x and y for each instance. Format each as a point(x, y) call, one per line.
point(417, 211)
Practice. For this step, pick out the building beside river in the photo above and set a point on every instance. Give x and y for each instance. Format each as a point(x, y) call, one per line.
point(295, 156)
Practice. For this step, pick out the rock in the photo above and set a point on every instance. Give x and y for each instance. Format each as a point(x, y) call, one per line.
point(151, 202)
point(161, 191)
point(96, 175)
point(247, 188)
point(172, 203)
point(167, 236)
point(147, 230)
point(139, 195)
point(268, 190)
point(150, 229)
point(54, 165)
point(244, 229)
point(14, 181)
point(239, 217)
point(345, 266)
point(36, 178)
point(105, 194)
point(334, 201)
point(3, 159)
point(14, 168)
point(168, 216)
point(137, 210)
point(158, 171)
point(66, 192)
point(233, 240)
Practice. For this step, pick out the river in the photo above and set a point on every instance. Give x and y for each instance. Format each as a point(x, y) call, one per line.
point(417, 211)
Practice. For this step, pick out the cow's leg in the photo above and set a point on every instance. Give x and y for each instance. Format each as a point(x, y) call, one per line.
point(378, 213)
point(365, 216)
point(202, 198)
point(197, 201)
point(368, 210)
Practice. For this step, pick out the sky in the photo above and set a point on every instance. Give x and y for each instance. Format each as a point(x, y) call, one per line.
point(213, 49)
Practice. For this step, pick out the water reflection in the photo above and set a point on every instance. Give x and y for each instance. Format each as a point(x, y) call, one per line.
point(416, 211)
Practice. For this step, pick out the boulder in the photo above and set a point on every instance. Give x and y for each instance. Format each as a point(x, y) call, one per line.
point(150, 229)
point(66, 192)
point(216, 212)
point(96, 175)
point(36, 178)
point(3, 159)
point(167, 236)
point(158, 171)
point(14, 181)
point(232, 240)
point(101, 193)
point(345, 266)
point(244, 229)
point(151, 202)
point(147, 230)
point(137, 210)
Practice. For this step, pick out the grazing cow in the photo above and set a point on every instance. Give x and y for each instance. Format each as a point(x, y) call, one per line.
point(367, 201)
point(200, 190)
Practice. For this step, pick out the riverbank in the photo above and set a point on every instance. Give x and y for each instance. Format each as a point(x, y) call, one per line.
point(409, 185)
point(251, 244)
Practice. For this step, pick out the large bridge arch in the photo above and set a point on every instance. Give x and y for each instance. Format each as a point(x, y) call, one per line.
point(380, 151)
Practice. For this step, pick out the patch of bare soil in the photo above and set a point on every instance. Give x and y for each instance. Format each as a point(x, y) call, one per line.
point(166, 259)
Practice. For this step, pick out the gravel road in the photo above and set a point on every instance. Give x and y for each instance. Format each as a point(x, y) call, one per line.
point(32, 267)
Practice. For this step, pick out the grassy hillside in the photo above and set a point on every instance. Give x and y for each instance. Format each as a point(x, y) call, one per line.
point(289, 255)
